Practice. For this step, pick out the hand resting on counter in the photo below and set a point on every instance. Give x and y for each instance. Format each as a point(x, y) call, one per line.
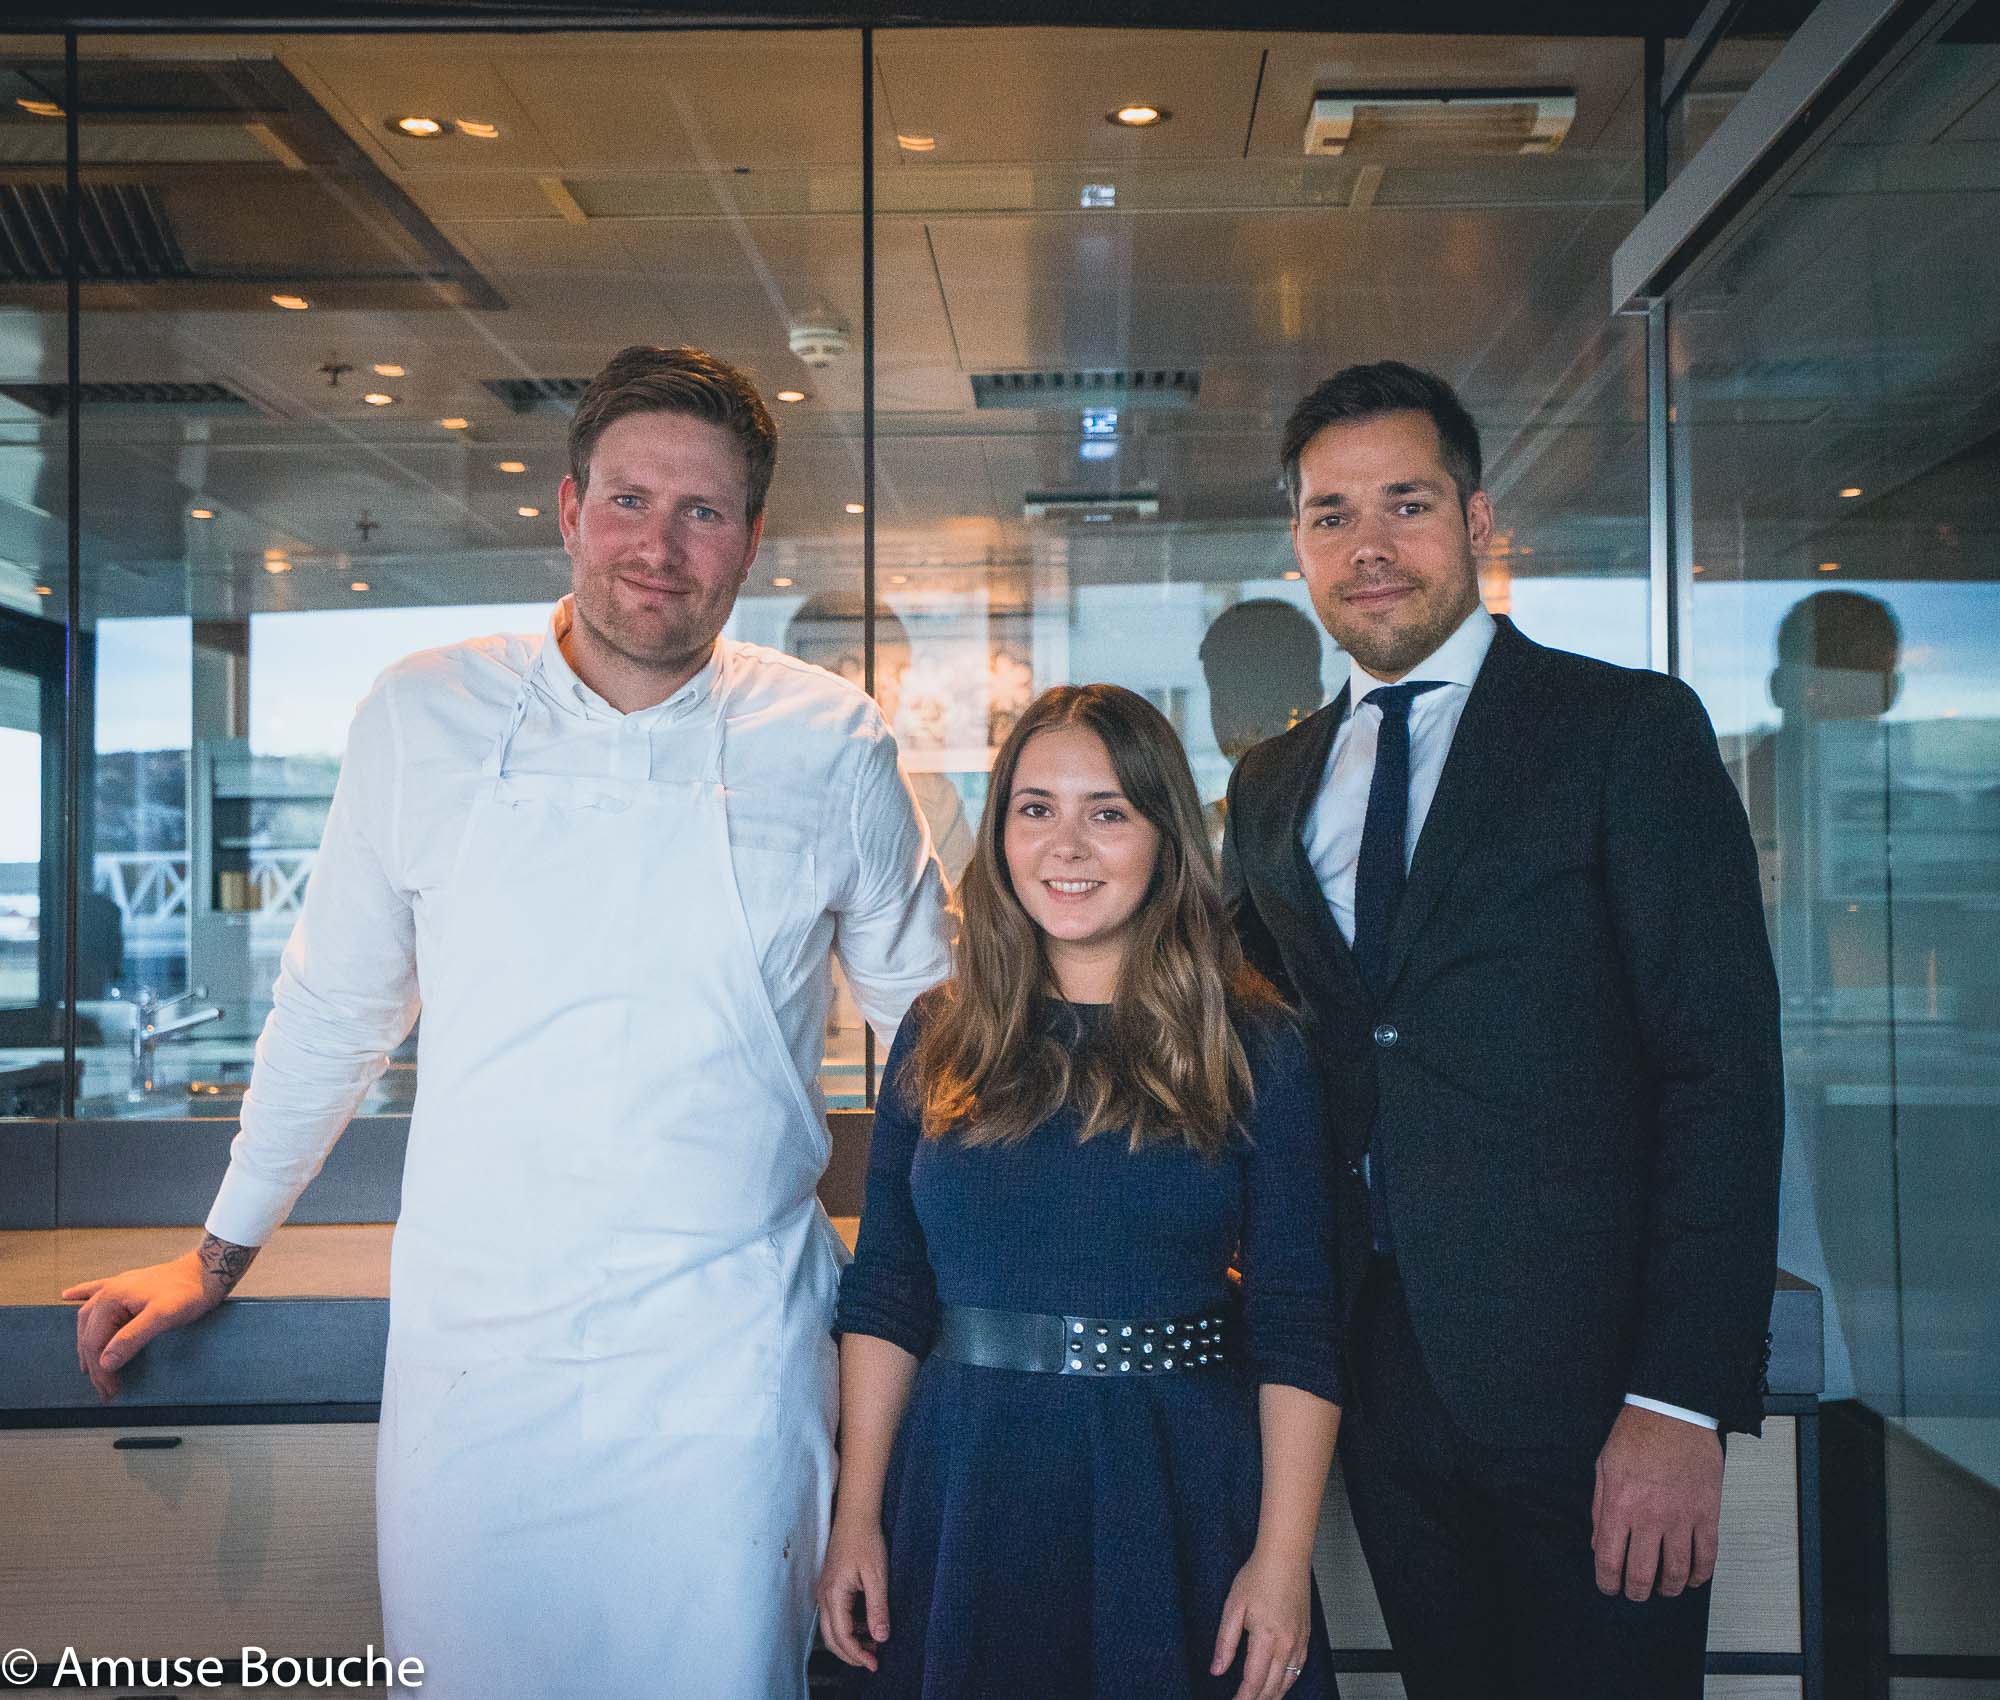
point(122, 1313)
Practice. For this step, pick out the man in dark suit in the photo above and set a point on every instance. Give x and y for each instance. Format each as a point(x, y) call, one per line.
point(1514, 894)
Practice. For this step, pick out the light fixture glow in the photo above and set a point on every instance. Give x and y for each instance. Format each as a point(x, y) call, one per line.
point(1100, 421)
point(511, 465)
point(479, 129)
point(1829, 566)
point(899, 578)
point(419, 127)
point(40, 108)
point(454, 423)
point(378, 398)
point(359, 584)
point(277, 566)
point(274, 554)
point(529, 513)
point(1139, 116)
point(291, 303)
point(791, 395)
point(1098, 195)
point(1294, 573)
point(387, 369)
point(44, 590)
point(1099, 448)
point(1851, 492)
point(782, 583)
point(201, 513)
point(855, 508)
point(915, 143)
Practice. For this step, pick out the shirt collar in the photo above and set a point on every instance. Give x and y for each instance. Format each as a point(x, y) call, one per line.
point(1456, 661)
point(568, 689)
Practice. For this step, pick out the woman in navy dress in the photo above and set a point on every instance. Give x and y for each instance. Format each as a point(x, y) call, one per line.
point(1073, 1466)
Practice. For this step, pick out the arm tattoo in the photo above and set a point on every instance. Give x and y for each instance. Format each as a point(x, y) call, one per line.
point(226, 1262)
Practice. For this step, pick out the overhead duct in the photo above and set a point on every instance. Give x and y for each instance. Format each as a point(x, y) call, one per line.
point(1074, 387)
point(1085, 507)
point(1405, 124)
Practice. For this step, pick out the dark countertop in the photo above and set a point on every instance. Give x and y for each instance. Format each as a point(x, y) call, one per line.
point(309, 1324)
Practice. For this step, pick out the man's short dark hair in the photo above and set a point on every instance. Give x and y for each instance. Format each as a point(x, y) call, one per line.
point(645, 379)
point(1368, 392)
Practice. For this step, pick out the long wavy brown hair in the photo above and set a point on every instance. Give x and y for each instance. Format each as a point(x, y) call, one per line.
point(1169, 1064)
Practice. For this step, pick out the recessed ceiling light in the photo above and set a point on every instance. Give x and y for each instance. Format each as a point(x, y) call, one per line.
point(1698, 569)
point(44, 590)
point(855, 508)
point(791, 395)
point(291, 303)
point(274, 554)
point(1294, 573)
point(478, 129)
point(278, 565)
point(529, 513)
point(511, 465)
point(1829, 566)
point(201, 513)
point(378, 398)
point(782, 583)
point(915, 143)
point(359, 585)
point(40, 108)
point(421, 128)
point(1851, 491)
point(385, 369)
point(454, 423)
point(899, 578)
point(1139, 117)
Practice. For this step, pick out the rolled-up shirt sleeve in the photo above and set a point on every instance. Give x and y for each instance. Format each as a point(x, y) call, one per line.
point(890, 1290)
point(1291, 1293)
point(892, 924)
point(345, 997)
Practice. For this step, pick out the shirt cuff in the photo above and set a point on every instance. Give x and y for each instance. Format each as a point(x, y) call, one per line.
point(1667, 1410)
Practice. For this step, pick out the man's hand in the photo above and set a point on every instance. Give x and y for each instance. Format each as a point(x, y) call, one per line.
point(120, 1313)
point(1658, 1505)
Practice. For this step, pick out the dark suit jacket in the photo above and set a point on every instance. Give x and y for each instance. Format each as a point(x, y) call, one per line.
point(1575, 1066)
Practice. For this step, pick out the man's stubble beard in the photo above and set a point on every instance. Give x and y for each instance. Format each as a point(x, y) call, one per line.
point(685, 643)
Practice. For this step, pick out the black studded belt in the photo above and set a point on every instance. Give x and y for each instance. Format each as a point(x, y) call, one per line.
point(1082, 1345)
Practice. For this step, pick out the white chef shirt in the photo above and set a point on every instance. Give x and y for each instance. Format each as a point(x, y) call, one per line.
point(808, 762)
point(1333, 825)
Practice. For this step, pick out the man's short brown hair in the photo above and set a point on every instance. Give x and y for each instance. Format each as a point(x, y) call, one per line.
point(645, 379)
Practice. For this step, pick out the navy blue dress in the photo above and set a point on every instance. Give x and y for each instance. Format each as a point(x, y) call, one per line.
point(1062, 1538)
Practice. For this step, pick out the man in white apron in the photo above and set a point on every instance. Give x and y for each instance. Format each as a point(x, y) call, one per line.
point(609, 864)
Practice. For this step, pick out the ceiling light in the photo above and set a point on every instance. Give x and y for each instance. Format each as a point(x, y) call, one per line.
point(44, 590)
point(454, 423)
point(1138, 117)
point(899, 578)
point(1294, 573)
point(277, 565)
point(40, 108)
point(1098, 195)
point(1699, 569)
point(386, 370)
point(855, 508)
point(511, 465)
point(291, 303)
point(274, 554)
point(378, 398)
point(359, 584)
point(782, 583)
point(478, 129)
point(529, 513)
point(201, 513)
point(914, 144)
point(1851, 492)
point(421, 128)
point(1829, 566)
point(1097, 449)
point(791, 395)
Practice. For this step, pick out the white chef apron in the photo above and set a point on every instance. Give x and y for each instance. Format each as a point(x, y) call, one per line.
point(606, 1448)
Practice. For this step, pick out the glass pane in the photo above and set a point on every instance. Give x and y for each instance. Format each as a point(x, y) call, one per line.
point(1836, 375)
point(34, 584)
point(331, 392)
point(1754, 37)
point(1092, 334)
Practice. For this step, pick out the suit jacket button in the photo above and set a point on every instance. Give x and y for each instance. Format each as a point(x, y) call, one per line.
point(1386, 1034)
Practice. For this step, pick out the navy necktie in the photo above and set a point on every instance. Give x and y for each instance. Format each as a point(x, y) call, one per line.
point(1381, 869)
point(1379, 876)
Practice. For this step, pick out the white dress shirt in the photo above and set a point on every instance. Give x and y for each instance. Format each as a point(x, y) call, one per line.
point(1333, 825)
point(810, 768)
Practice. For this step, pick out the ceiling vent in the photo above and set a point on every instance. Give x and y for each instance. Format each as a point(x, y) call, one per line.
point(535, 395)
point(1086, 507)
point(1438, 123)
point(52, 400)
point(125, 236)
point(1147, 386)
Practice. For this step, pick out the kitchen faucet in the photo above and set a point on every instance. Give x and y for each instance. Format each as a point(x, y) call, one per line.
point(153, 1022)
